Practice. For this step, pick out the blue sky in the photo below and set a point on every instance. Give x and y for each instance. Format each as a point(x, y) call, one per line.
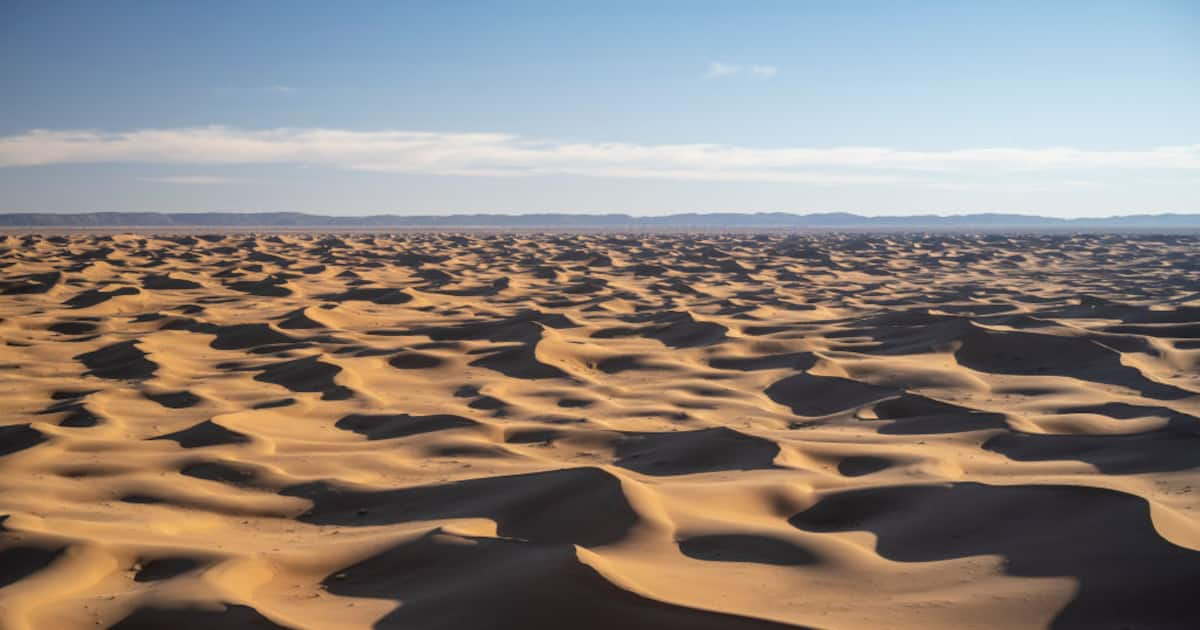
point(1065, 108)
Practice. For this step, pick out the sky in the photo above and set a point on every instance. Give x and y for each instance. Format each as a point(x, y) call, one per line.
point(1066, 108)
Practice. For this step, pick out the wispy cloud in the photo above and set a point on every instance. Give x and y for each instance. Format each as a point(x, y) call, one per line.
point(507, 155)
point(279, 89)
point(190, 180)
point(719, 69)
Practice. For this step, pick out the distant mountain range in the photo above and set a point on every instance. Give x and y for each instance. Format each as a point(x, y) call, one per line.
point(829, 221)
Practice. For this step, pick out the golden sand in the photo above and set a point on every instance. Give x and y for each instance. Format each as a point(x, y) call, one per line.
point(551, 431)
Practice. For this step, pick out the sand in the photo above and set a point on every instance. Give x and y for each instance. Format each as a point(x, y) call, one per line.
point(599, 431)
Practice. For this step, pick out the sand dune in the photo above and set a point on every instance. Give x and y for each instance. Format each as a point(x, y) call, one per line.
point(599, 431)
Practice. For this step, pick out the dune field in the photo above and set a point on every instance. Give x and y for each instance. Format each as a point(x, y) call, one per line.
point(436, 431)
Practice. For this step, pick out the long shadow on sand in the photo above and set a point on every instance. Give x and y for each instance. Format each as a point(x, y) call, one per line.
point(465, 582)
point(1128, 575)
point(581, 506)
point(687, 452)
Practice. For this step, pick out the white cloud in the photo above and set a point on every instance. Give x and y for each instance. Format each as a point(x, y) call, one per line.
point(719, 69)
point(506, 155)
point(280, 89)
point(189, 180)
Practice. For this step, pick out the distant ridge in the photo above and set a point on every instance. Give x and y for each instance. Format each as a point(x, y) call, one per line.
point(716, 220)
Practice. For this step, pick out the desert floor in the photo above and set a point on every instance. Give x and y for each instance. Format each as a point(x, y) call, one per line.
point(605, 431)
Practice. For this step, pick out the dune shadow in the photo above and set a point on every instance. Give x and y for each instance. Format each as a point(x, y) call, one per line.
point(581, 506)
point(207, 433)
point(1154, 451)
point(195, 618)
point(746, 548)
point(812, 395)
point(386, 426)
point(119, 361)
point(1127, 574)
point(21, 561)
point(1031, 354)
point(308, 374)
point(509, 584)
point(688, 452)
point(18, 437)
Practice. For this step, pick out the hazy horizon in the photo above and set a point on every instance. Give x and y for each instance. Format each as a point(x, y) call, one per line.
point(636, 215)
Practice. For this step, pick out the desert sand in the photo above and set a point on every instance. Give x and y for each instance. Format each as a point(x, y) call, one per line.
point(430, 431)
